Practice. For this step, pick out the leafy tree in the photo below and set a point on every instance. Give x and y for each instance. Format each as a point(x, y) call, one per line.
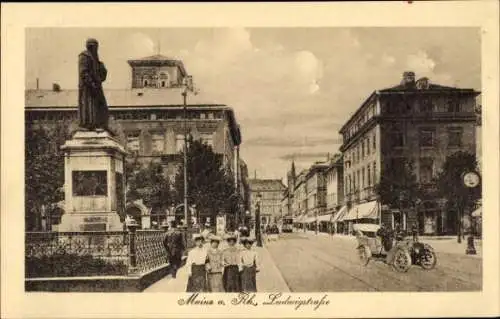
point(210, 186)
point(451, 186)
point(150, 184)
point(44, 170)
point(399, 183)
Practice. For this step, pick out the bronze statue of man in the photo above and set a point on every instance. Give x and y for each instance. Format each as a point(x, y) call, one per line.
point(92, 106)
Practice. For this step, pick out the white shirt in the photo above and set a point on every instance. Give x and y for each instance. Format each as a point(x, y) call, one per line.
point(248, 257)
point(197, 256)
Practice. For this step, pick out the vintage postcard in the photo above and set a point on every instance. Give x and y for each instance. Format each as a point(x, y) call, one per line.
point(255, 165)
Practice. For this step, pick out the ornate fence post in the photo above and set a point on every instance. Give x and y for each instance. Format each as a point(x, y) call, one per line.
point(132, 252)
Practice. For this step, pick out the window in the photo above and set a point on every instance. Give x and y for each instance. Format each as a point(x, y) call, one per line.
point(203, 116)
point(368, 145)
point(455, 137)
point(426, 138)
point(453, 105)
point(358, 153)
point(164, 79)
point(368, 175)
point(179, 142)
point(207, 139)
point(374, 142)
point(363, 178)
point(426, 105)
point(153, 116)
point(359, 179)
point(353, 181)
point(374, 172)
point(426, 170)
point(397, 138)
point(158, 142)
point(133, 144)
point(210, 115)
point(362, 149)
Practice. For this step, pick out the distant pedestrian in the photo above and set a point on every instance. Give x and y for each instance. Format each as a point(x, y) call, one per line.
point(414, 232)
point(214, 266)
point(174, 245)
point(249, 266)
point(230, 261)
point(196, 264)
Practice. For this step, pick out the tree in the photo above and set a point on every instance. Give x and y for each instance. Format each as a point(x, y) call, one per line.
point(150, 184)
point(451, 186)
point(398, 187)
point(210, 186)
point(399, 182)
point(44, 170)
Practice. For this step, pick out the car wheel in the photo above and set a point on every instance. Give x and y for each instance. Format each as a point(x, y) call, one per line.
point(428, 259)
point(401, 261)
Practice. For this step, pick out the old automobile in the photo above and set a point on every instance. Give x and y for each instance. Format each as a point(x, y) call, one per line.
point(403, 253)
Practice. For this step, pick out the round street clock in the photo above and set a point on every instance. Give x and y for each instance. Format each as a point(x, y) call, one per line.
point(471, 179)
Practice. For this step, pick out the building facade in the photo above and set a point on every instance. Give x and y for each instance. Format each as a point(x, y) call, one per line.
point(415, 121)
point(150, 118)
point(334, 176)
point(316, 189)
point(271, 195)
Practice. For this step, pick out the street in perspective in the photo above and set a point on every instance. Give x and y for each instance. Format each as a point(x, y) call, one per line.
point(246, 160)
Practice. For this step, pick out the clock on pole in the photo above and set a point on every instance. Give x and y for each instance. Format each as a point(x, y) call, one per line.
point(471, 179)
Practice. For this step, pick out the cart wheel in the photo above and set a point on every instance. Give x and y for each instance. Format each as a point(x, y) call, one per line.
point(401, 261)
point(428, 259)
point(364, 255)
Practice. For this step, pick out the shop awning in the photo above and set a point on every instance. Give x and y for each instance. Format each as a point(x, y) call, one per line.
point(325, 218)
point(299, 219)
point(478, 212)
point(339, 216)
point(367, 210)
point(310, 220)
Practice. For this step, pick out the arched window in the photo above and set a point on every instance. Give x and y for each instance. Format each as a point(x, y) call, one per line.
point(164, 81)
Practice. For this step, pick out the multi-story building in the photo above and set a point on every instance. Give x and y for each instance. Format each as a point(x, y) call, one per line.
point(149, 117)
point(316, 189)
point(416, 121)
point(334, 176)
point(271, 195)
point(299, 203)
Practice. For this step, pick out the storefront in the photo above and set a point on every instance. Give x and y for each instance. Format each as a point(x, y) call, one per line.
point(338, 221)
point(364, 213)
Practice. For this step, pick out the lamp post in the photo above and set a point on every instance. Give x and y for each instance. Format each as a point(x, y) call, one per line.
point(257, 221)
point(187, 86)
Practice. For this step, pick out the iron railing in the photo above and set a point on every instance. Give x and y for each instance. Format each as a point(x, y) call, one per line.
point(134, 251)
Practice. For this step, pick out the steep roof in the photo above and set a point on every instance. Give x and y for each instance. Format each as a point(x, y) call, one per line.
point(117, 98)
point(257, 185)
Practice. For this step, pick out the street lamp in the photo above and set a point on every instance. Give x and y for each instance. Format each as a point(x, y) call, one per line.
point(187, 86)
point(258, 236)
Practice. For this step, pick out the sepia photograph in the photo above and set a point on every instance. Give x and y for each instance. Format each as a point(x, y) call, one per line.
point(250, 160)
point(253, 159)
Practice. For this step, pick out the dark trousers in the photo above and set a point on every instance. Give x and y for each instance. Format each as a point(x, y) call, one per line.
point(175, 263)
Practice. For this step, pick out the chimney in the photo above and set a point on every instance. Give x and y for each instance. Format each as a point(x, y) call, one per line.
point(37, 83)
point(408, 79)
point(56, 87)
point(255, 174)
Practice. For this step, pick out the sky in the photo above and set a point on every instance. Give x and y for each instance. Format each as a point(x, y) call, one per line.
point(291, 88)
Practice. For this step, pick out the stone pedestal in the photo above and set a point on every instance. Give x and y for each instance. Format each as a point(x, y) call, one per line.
point(94, 183)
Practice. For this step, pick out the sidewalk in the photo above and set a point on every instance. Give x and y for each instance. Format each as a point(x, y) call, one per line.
point(269, 278)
